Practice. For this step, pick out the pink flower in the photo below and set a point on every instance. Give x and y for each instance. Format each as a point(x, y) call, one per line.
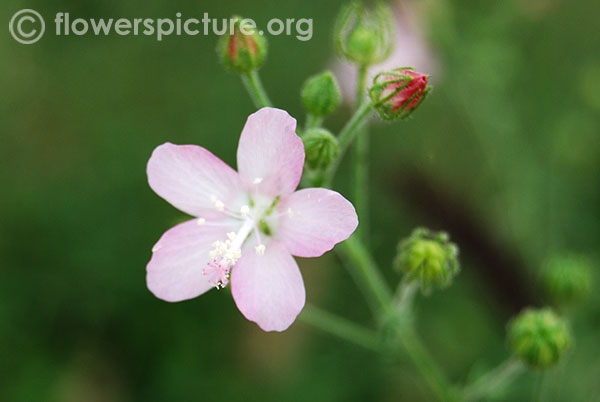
point(248, 224)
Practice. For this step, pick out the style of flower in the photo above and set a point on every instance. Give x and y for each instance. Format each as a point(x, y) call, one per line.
point(248, 224)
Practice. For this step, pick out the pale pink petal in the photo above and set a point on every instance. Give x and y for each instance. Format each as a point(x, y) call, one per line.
point(268, 289)
point(175, 271)
point(270, 155)
point(314, 220)
point(191, 178)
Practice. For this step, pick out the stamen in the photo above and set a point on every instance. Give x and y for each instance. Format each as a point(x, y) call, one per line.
point(217, 203)
point(257, 180)
point(260, 249)
point(201, 221)
point(245, 210)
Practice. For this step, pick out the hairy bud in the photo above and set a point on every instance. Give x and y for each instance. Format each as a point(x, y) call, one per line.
point(321, 94)
point(428, 257)
point(364, 37)
point(398, 93)
point(321, 148)
point(538, 337)
point(243, 51)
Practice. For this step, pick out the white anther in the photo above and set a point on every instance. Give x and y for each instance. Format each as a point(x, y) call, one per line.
point(201, 221)
point(257, 180)
point(231, 236)
point(289, 211)
point(260, 249)
point(245, 210)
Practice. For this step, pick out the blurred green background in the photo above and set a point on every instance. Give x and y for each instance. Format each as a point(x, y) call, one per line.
point(505, 155)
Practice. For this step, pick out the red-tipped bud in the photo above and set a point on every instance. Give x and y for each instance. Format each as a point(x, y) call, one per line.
point(398, 93)
point(244, 50)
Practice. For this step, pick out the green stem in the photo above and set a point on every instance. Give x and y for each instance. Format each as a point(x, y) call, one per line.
point(340, 327)
point(346, 136)
point(256, 90)
point(538, 390)
point(361, 162)
point(367, 275)
point(405, 294)
point(496, 379)
point(427, 367)
point(313, 121)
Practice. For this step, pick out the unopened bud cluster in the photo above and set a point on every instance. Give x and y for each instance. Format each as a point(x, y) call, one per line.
point(538, 337)
point(429, 258)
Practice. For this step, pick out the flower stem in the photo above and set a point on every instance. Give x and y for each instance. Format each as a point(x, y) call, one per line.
point(497, 378)
point(346, 136)
point(313, 121)
point(427, 367)
point(361, 162)
point(367, 275)
point(340, 327)
point(255, 88)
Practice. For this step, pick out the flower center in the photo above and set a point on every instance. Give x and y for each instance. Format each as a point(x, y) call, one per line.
point(226, 252)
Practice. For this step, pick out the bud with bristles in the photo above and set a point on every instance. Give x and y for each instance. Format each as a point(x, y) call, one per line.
point(321, 94)
point(398, 93)
point(243, 51)
point(538, 337)
point(427, 257)
point(567, 279)
point(364, 37)
point(321, 148)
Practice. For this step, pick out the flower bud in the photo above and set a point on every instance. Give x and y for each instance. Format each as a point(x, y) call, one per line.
point(428, 257)
point(321, 148)
point(321, 94)
point(538, 337)
point(244, 50)
point(398, 93)
point(364, 37)
point(566, 279)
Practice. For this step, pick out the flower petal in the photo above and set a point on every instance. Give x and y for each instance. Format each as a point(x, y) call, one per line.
point(270, 155)
point(314, 220)
point(175, 271)
point(268, 289)
point(189, 176)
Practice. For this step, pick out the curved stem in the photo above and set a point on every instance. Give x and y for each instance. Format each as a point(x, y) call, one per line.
point(256, 90)
point(313, 121)
point(340, 327)
point(495, 379)
point(346, 136)
point(367, 275)
point(361, 162)
point(427, 367)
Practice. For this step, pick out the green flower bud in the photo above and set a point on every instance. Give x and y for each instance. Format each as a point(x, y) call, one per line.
point(321, 94)
point(245, 50)
point(321, 148)
point(428, 257)
point(567, 279)
point(538, 337)
point(364, 37)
